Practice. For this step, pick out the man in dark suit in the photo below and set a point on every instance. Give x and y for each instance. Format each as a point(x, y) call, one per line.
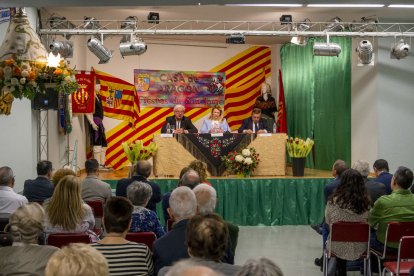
point(381, 171)
point(142, 172)
point(375, 189)
point(42, 187)
point(179, 122)
point(254, 124)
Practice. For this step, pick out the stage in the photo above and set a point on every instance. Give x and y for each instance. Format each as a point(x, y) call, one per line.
point(255, 201)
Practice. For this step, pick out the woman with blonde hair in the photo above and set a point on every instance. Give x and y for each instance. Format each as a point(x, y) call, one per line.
point(25, 256)
point(65, 211)
point(201, 168)
point(215, 123)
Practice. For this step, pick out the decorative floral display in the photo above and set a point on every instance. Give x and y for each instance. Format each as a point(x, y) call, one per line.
point(137, 151)
point(243, 162)
point(297, 147)
point(24, 79)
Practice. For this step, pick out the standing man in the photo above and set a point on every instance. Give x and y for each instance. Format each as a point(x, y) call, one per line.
point(180, 123)
point(9, 199)
point(42, 187)
point(381, 171)
point(254, 124)
point(92, 187)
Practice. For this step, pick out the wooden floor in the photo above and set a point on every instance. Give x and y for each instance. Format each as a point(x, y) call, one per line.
point(123, 173)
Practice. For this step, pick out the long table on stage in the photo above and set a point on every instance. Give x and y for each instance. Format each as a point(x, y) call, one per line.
point(175, 153)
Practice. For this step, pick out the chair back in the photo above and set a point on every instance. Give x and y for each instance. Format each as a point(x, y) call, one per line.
point(147, 238)
point(404, 261)
point(350, 232)
point(406, 248)
point(3, 223)
point(397, 230)
point(97, 207)
point(62, 239)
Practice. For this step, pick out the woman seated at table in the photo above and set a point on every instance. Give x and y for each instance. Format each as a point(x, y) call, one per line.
point(215, 123)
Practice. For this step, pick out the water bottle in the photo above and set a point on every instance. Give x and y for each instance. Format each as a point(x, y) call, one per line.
point(168, 128)
point(274, 127)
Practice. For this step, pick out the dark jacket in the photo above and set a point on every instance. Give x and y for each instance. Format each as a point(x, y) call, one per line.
point(385, 177)
point(38, 189)
point(248, 124)
point(186, 124)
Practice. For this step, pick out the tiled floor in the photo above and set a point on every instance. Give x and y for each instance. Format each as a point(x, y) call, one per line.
point(293, 248)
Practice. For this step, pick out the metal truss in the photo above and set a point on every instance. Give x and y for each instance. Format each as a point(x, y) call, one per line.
point(42, 137)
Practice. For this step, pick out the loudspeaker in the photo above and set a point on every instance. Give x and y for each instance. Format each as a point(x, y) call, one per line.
point(47, 100)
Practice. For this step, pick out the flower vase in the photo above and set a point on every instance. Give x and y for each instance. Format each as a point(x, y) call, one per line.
point(298, 166)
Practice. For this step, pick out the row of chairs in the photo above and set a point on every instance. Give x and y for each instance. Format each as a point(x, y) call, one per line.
point(394, 263)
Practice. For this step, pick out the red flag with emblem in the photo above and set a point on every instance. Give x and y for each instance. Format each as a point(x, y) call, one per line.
point(83, 98)
point(281, 113)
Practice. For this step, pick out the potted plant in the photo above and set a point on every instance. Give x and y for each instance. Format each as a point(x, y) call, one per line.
point(298, 149)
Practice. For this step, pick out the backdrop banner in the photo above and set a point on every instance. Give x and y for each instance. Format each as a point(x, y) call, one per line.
point(161, 88)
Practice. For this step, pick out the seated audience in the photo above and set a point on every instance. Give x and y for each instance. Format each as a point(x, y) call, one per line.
point(260, 267)
point(178, 122)
point(60, 173)
point(92, 187)
point(25, 256)
point(65, 210)
point(171, 247)
point(206, 204)
point(188, 267)
point(215, 123)
point(201, 168)
point(375, 189)
point(9, 199)
point(382, 174)
point(42, 187)
point(77, 259)
point(207, 238)
point(398, 206)
point(141, 173)
point(189, 178)
point(124, 257)
point(255, 123)
point(143, 219)
point(349, 202)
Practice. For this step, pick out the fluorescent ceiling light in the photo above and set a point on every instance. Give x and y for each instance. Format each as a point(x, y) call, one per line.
point(400, 6)
point(345, 5)
point(265, 5)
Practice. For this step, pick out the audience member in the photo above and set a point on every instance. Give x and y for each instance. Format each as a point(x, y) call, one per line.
point(124, 257)
point(142, 172)
point(255, 123)
point(206, 204)
point(381, 171)
point(143, 219)
point(207, 238)
point(215, 123)
point(189, 178)
point(61, 173)
point(398, 206)
point(171, 247)
point(9, 199)
point(92, 187)
point(201, 168)
point(188, 267)
point(25, 256)
point(375, 189)
point(178, 122)
point(77, 259)
point(350, 202)
point(65, 211)
point(260, 267)
point(42, 187)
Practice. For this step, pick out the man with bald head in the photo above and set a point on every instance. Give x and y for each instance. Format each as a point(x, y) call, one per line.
point(142, 171)
point(9, 199)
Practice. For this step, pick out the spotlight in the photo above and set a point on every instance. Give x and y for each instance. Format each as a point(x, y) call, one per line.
point(153, 17)
point(364, 50)
point(135, 47)
point(235, 39)
point(130, 23)
point(60, 22)
point(63, 48)
point(326, 48)
point(367, 24)
point(301, 27)
point(96, 47)
point(335, 25)
point(400, 50)
point(286, 19)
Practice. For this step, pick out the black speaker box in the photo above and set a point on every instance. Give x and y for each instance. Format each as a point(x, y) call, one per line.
point(47, 100)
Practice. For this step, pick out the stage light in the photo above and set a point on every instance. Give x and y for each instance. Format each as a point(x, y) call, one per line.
point(130, 23)
point(153, 17)
point(301, 27)
point(99, 50)
point(400, 50)
point(326, 48)
point(61, 47)
point(286, 19)
point(335, 25)
point(235, 39)
point(365, 55)
point(135, 47)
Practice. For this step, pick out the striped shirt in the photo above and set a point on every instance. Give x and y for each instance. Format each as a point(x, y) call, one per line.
point(127, 259)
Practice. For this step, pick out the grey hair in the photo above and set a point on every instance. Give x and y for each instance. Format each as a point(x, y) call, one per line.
point(260, 267)
point(139, 193)
point(26, 223)
point(6, 175)
point(190, 179)
point(183, 203)
point(362, 167)
point(179, 106)
point(186, 265)
point(206, 198)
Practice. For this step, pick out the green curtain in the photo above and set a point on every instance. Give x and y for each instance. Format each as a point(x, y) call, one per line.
point(318, 99)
